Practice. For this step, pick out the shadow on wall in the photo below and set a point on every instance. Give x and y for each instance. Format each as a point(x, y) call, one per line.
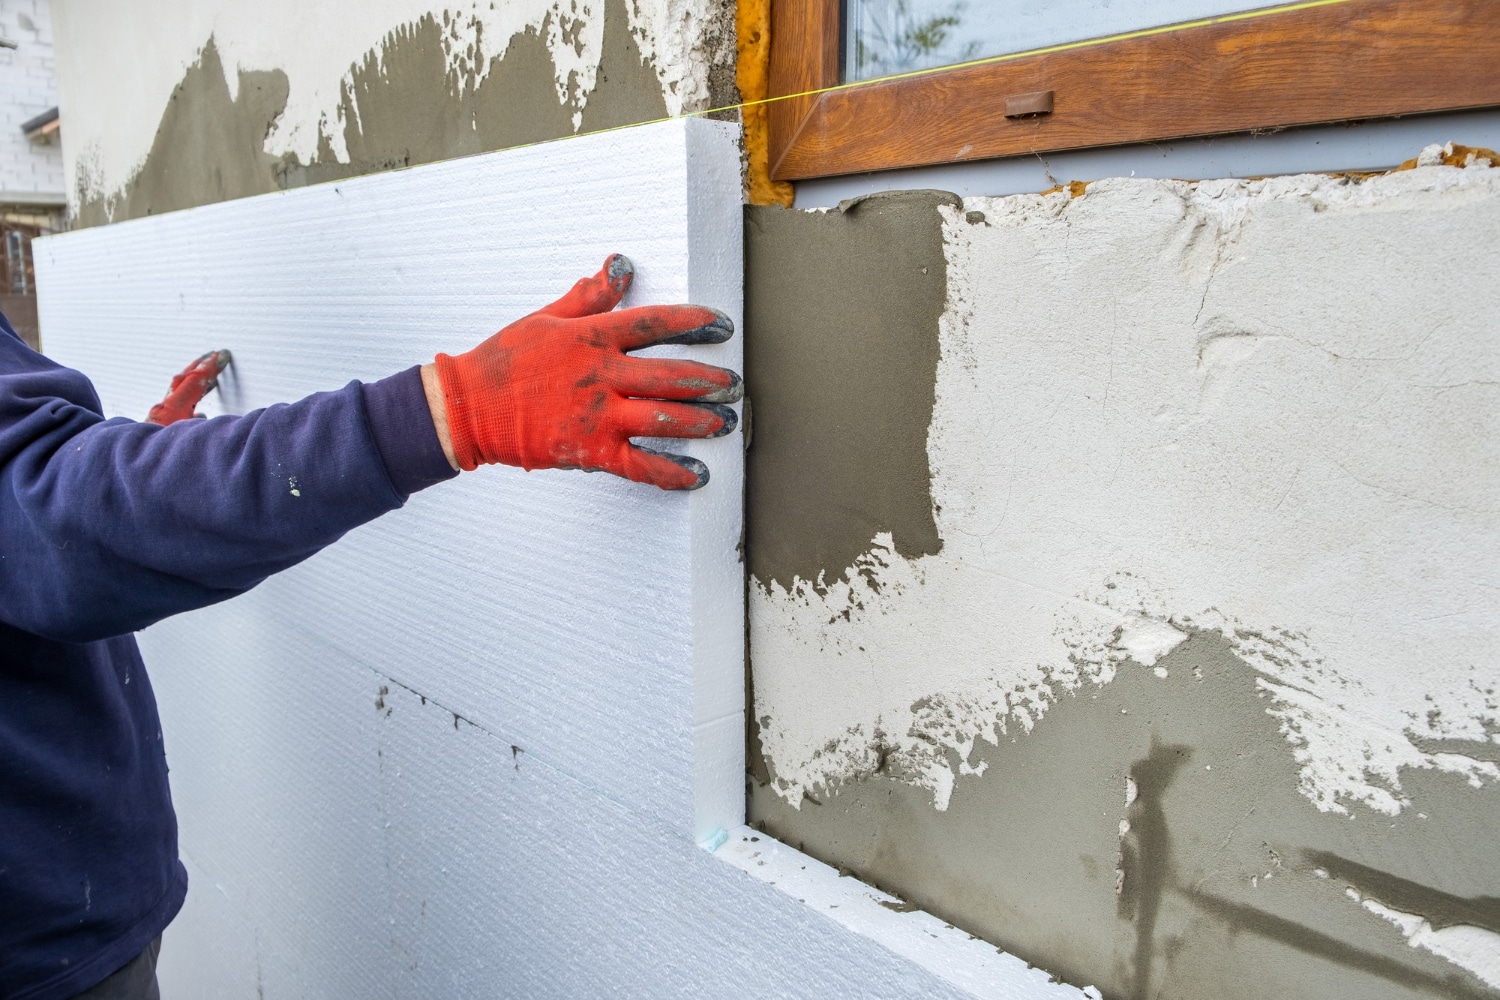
point(1148, 835)
point(402, 105)
point(1114, 848)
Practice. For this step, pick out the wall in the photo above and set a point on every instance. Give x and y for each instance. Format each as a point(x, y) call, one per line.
point(1120, 570)
point(175, 103)
point(31, 173)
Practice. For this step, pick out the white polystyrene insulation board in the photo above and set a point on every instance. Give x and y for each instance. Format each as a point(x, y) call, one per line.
point(475, 871)
point(470, 749)
point(596, 623)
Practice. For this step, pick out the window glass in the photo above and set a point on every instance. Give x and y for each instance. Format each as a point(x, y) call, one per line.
point(883, 37)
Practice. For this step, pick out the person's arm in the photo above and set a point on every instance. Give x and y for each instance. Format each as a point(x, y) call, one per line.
point(109, 525)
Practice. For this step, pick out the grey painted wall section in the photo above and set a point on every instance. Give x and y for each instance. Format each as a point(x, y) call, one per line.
point(871, 281)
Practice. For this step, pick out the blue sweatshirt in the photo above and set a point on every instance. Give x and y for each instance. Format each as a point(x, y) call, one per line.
point(105, 527)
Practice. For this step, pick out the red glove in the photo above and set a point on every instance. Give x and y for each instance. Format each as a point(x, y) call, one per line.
point(188, 389)
point(556, 390)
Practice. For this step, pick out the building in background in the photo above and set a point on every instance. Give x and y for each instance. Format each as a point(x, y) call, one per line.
point(32, 202)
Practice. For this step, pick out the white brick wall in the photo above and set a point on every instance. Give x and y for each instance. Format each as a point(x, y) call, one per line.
point(29, 171)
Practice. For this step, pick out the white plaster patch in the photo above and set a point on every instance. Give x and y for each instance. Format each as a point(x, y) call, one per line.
point(1471, 948)
point(1265, 409)
point(114, 97)
point(474, 33)
point(1146, 640)
point(1433, 156)
point(678, 37)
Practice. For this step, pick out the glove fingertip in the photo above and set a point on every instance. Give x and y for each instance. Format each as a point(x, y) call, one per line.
point(731, 393)
point(716, 332)
point(619, 270)
point(724, 413)
point(693, 465)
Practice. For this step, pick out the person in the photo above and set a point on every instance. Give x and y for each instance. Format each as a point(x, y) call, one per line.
point(107, 526)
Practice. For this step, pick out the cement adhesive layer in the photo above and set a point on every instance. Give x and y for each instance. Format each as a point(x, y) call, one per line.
point(209, 146)
point(842, 365)
point(1198, 696)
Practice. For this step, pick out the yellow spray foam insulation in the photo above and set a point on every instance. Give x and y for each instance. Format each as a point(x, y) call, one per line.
point(752, 24)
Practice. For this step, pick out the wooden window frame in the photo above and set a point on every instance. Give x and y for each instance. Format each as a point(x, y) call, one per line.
point(1354, 60)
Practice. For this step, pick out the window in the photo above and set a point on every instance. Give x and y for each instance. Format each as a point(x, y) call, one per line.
point(886, 37)
point(1030, 84)
point(17, 262)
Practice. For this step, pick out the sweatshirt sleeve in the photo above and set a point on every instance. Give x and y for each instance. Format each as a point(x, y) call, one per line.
point(107, 526)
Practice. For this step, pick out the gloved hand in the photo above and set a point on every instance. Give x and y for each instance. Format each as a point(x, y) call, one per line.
point(188, 389)
point(556, 390)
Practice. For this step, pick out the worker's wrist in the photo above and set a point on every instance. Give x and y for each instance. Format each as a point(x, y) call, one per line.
point(399, 417)
point(432, 387)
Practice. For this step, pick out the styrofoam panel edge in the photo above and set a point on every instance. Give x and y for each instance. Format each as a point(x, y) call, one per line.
point(967, 963)
point(715, 278)
point(718, 777)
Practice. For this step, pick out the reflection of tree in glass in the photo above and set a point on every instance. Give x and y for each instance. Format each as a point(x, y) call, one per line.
point(890, 38)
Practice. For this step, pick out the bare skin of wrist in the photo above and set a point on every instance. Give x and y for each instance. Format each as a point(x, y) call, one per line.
point(434, 391)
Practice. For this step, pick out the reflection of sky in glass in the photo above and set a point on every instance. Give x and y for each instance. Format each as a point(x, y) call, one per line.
point(893, 36)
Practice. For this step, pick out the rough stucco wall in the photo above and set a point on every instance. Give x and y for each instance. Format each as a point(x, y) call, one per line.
point(1196, 693)
point(182, 104)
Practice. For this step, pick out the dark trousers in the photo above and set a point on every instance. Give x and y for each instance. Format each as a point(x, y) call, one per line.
point(135, 981)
